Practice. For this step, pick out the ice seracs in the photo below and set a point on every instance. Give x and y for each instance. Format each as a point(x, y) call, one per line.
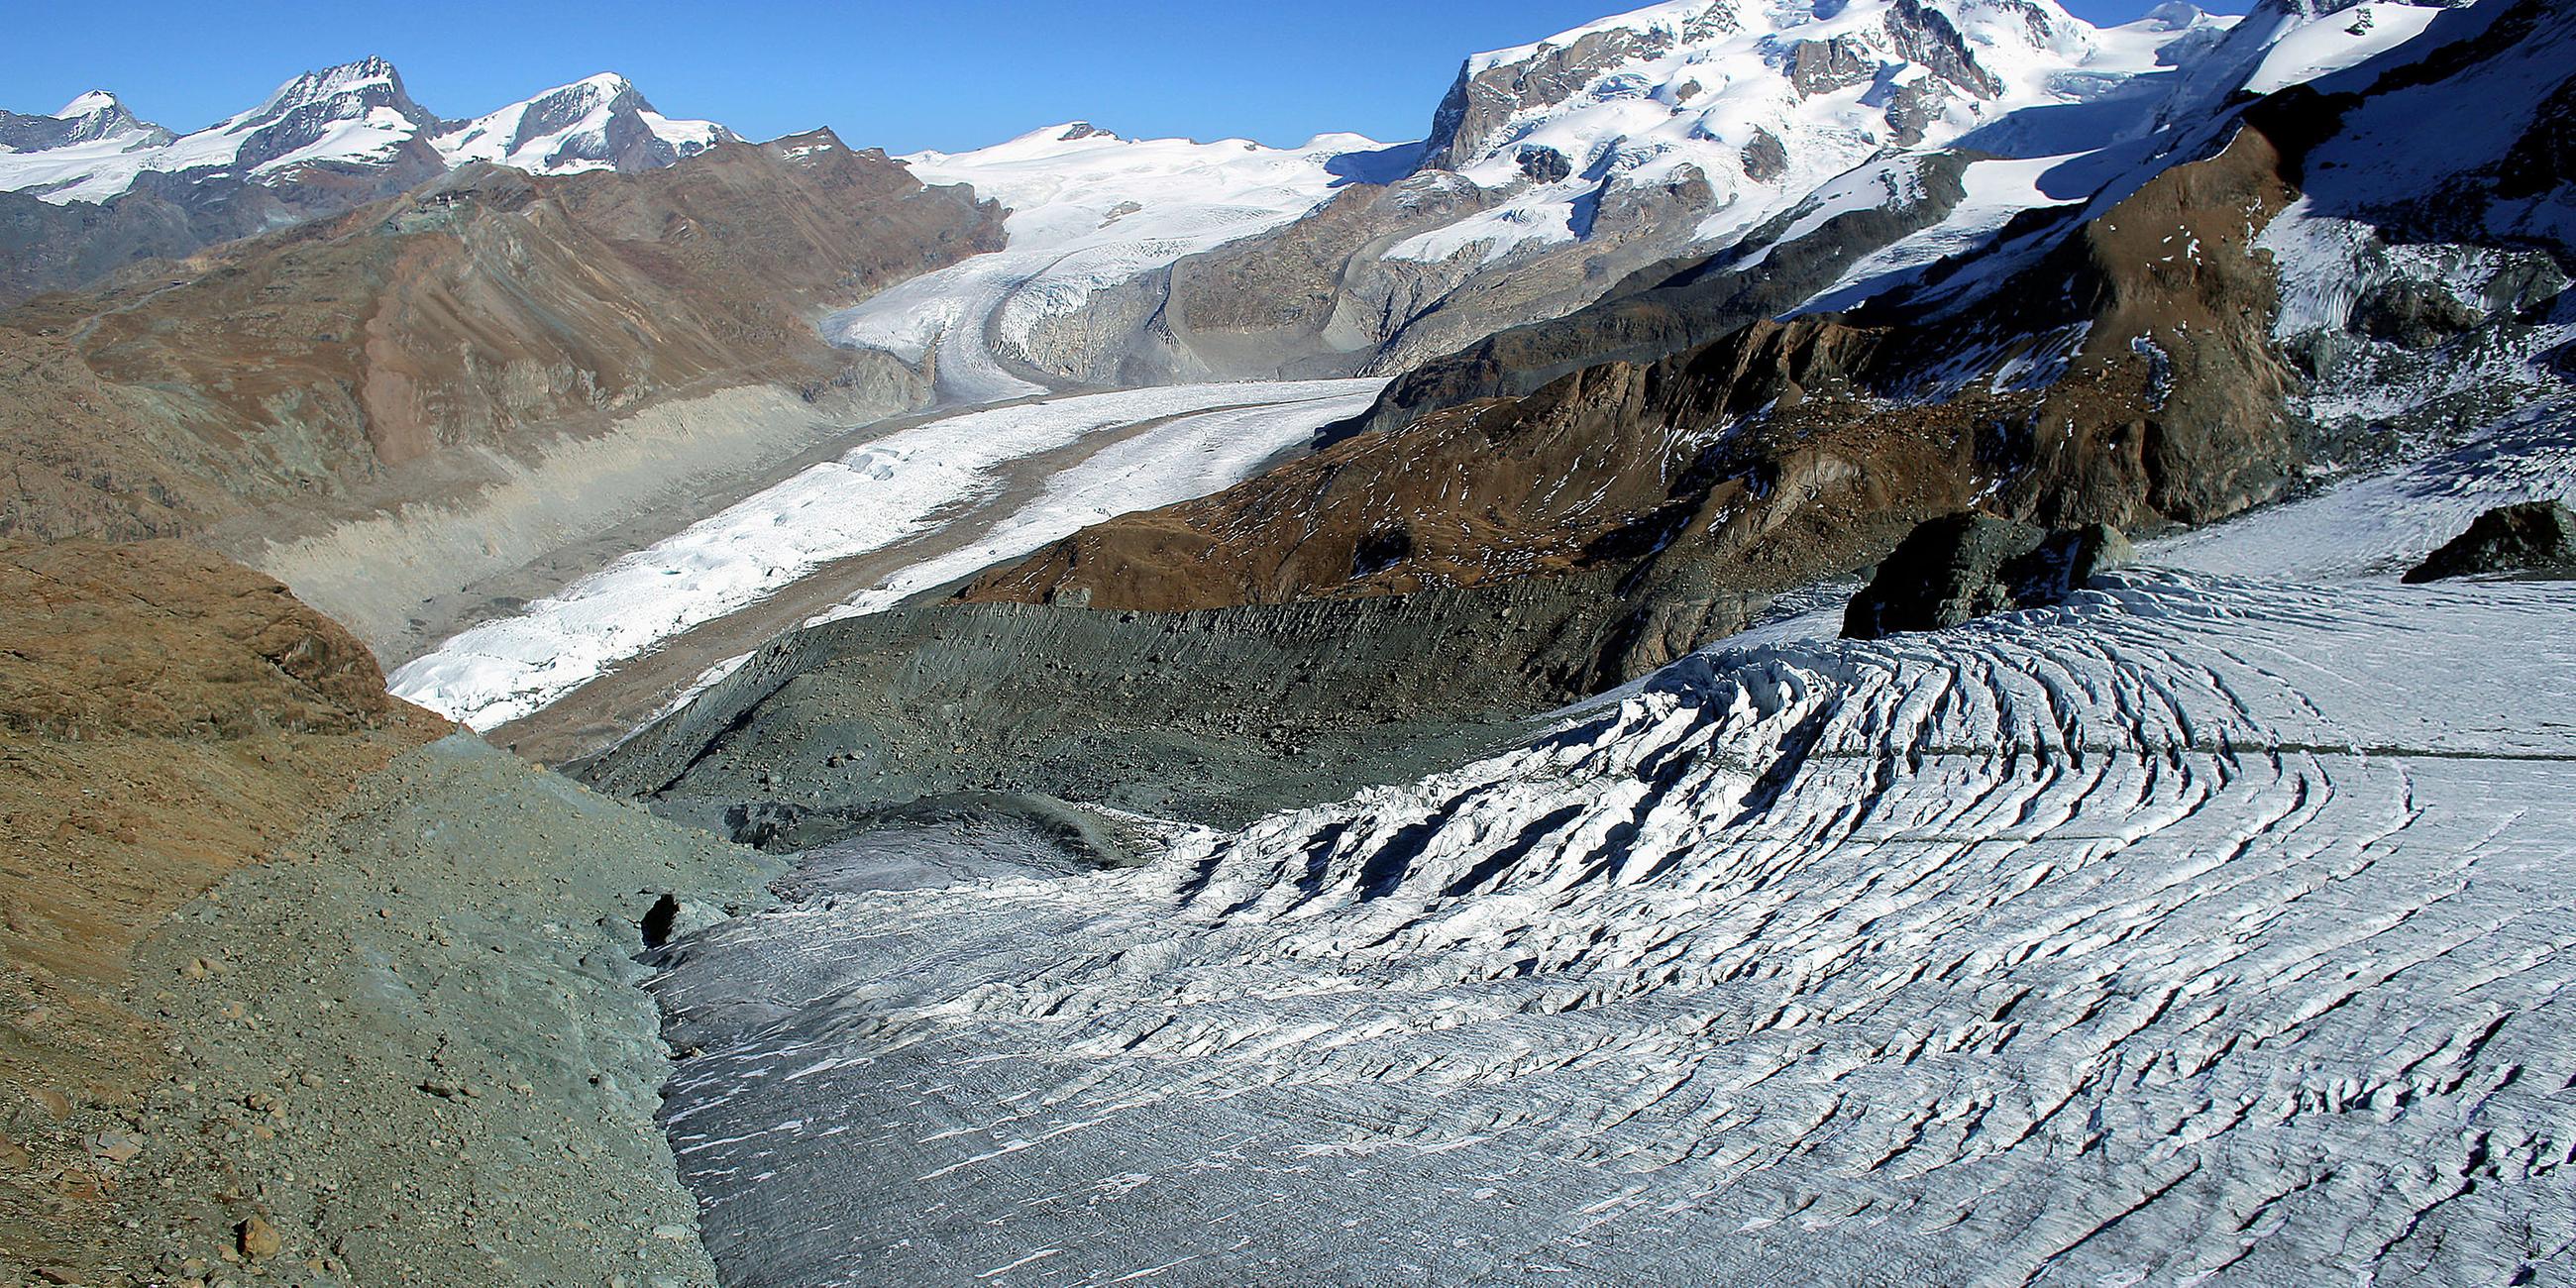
point(2202, 930)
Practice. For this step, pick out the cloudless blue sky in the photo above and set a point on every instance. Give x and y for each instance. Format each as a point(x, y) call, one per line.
point(930, 73)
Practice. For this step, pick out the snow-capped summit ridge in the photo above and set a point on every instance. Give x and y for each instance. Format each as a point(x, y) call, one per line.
point(598, 122)
point(1674, 18)
point(94, 119)
point(87, 105)
point(340, 92)
point(2175, 15)
point(350, 119)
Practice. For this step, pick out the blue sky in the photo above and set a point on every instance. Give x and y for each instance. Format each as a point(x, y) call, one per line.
point(929, 73)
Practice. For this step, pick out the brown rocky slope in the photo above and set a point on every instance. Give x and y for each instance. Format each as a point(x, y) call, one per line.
point(291, 993)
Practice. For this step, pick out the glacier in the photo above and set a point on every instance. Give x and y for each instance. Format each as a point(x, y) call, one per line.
point(949, 477)
point(1088, 211)
point(2209, 928)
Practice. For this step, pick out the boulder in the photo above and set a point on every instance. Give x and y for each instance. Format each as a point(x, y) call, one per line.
point(2532, 537)
point(1960, 567)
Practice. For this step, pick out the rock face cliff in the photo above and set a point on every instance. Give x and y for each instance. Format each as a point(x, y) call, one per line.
point(444, 351)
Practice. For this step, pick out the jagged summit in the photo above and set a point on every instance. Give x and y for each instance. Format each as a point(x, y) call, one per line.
point(88, 104)
point(342, 92)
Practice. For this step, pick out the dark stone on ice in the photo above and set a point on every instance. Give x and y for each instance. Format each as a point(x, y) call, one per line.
point(2532, 537)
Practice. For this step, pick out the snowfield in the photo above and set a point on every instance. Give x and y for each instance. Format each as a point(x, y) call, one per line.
point(2347, 38)
point(2211, 928)
point(1146, 448)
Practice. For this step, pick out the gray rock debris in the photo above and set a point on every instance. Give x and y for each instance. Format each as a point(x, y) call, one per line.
point(416, 1050)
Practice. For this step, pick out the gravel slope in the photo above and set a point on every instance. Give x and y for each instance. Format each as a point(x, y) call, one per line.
point(411, 1050)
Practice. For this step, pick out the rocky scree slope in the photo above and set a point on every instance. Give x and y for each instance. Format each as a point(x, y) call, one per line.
point(290, 991)
point(383, 406)
point(165, 718)
point(91, 189)
point(1208, 717)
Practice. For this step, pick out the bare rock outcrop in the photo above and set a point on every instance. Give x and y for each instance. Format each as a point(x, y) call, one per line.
point(1960, 567)
point(2534, 537)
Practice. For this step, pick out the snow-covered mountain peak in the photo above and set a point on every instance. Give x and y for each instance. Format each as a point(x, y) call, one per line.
point(347, 92)
point(1656, 25)
point(94, 118)
point(88, 105)
point(352, 120)
point(2175, 15)
point(597, 123)
point(1759, 103)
